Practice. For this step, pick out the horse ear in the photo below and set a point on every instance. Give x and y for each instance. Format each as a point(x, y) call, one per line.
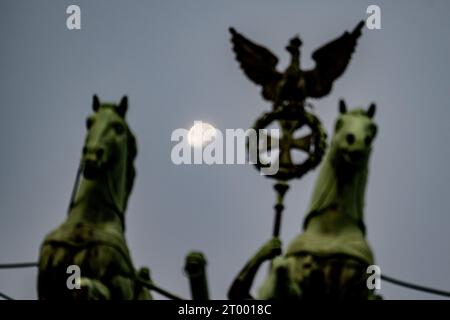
point(95, 103)
point(342, 106)
point(123, 107)
point(371, 110)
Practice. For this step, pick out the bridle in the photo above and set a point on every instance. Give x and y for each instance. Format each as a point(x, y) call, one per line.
point(116, 207)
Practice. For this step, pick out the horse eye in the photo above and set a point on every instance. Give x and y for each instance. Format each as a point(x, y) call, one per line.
point(118, 128)
point(89, 123)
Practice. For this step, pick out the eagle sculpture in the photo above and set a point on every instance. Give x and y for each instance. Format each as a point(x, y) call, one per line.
point(295, 84)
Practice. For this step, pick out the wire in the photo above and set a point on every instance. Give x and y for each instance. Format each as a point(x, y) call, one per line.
point(144, 282)
point(155, 288)
point(18, 265)
point(6, 297)
point(415, 286)
point(15, 266)
point(172, 296)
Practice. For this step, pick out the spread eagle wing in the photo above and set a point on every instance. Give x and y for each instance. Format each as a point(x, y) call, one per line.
point(331, 61)
point(257, 62)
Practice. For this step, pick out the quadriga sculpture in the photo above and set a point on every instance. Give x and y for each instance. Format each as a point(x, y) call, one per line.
point(92, 236)
point(329, 259)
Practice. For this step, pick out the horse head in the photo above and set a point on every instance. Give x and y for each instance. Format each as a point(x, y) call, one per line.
point(109, 150)
point(354, 133)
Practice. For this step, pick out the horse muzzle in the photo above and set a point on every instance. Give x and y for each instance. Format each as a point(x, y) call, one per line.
point(354, 156)
point(94, 161)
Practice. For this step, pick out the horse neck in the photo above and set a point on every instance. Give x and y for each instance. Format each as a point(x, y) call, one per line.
point(340, 189)
point(99, 201)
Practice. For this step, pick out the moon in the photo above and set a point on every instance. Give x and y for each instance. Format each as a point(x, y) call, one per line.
point(201, 134)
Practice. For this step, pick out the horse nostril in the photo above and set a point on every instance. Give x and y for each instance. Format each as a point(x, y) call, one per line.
point(85, 150)
point(368, 140)
point(99, 153)
point(350, 138)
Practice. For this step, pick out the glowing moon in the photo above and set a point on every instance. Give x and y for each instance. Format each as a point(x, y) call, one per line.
point(201, 134)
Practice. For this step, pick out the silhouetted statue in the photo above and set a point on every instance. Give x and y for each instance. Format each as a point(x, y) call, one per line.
point(195, 269)
point(288, 92)
point(295, 84)
point(330, 258)
point(92, 237)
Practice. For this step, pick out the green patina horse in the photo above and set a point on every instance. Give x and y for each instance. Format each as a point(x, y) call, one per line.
point(92, 237)
point(329, 259)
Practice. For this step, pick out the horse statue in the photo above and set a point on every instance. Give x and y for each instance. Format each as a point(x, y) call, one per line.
point(92, 236)
point(330, 258)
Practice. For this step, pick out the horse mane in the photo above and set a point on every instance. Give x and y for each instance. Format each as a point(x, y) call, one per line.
point(131, 155)
point(131, 152)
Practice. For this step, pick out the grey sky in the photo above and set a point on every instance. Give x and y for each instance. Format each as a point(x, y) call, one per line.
point(174, 60)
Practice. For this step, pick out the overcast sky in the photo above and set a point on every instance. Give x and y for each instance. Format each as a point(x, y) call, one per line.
point(174, 61)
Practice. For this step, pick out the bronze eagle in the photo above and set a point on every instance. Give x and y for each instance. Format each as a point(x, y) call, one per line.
point(295, 85)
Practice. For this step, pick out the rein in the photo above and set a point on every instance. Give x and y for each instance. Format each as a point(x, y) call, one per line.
point(76, 185)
